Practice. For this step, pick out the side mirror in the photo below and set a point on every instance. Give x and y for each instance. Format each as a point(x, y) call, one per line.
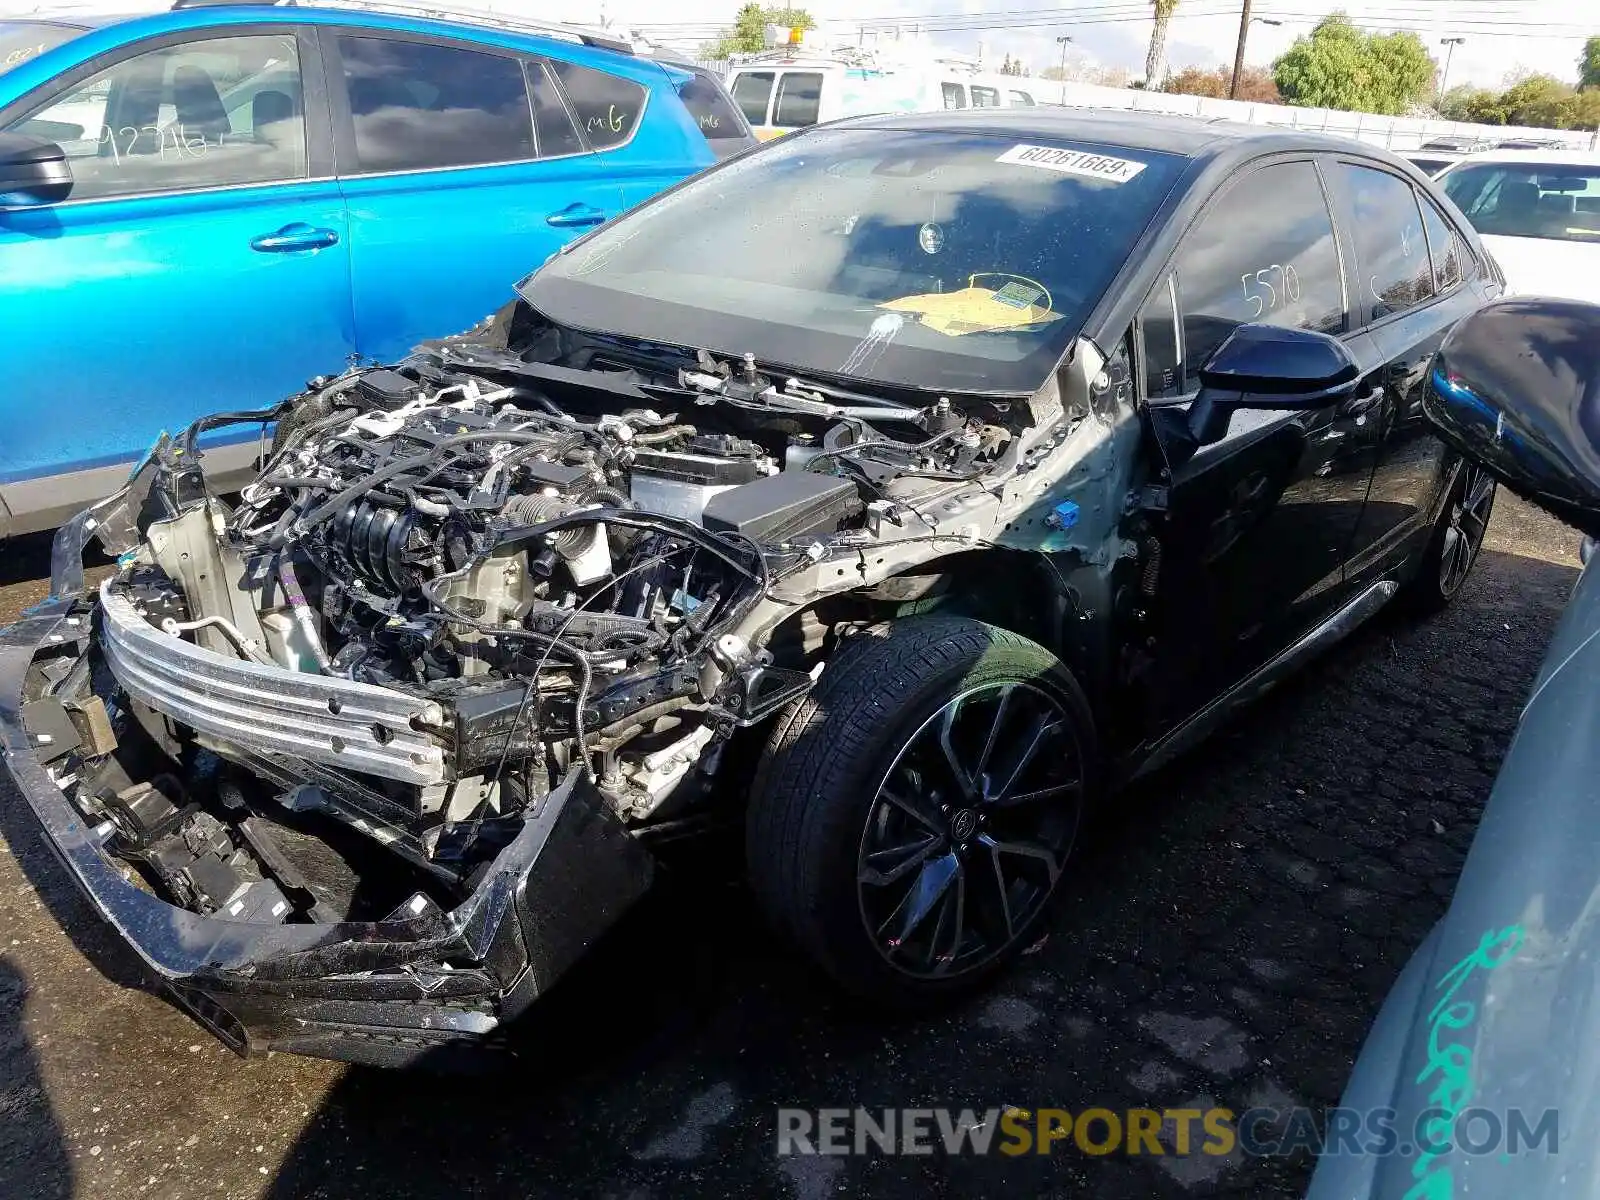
point(32, 172)
point(1516, 387)
point(1268, 366)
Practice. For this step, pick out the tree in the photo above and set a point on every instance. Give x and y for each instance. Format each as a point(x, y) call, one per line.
point(1255, 84)
point(749, 32)
point(1339, 66)
point(1539, 100)
point(1477, 105)
point(1589, 64)
point(1155, 62)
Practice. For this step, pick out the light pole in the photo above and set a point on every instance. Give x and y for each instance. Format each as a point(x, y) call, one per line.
point(1063, 40)
point(1451, 43)
point(1238, 55)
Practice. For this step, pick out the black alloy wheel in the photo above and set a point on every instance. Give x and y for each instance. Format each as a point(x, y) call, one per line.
point(1466, 523)
point(912, 816)
point(969, 830)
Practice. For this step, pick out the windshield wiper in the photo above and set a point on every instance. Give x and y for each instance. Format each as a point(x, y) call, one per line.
point(748, 386)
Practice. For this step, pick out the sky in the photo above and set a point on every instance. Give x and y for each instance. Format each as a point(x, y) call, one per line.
point(1502, 36)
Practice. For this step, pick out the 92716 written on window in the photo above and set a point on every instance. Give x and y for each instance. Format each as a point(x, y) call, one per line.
point(213, 113)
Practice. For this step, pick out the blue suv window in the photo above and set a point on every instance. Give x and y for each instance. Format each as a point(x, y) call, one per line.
point(557, 134)
point(417, 105)
point(608, 108)
point(209, 113)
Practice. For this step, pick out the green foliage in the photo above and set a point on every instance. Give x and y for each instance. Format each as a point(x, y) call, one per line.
point(1539, 101)
point(1339, 66)
point(1478, 105)
point(1589, 64)
point(748, 35)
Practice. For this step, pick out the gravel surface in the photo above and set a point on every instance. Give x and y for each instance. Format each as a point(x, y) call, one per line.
point(1228, 932)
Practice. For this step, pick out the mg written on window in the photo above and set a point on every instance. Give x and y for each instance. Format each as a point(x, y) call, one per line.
point(202, 114)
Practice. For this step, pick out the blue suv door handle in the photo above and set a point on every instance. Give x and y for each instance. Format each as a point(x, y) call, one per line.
point(575, 216)
point(295, 236)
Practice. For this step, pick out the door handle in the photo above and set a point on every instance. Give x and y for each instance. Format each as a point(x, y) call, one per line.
point(576, 216)
point(296, 236)
point(1357, 405)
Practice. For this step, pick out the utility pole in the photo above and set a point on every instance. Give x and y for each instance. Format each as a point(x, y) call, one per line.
point(1450, 44)
point(1238, 55)
point(1063, 41)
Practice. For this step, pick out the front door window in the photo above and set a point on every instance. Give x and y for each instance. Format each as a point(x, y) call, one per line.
point(212, 113)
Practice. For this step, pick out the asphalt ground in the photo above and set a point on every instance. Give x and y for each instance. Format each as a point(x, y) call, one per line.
point(1227, 934)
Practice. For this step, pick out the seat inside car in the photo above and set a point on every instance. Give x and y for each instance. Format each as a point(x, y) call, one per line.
point(198, 104)
point(268, 109)
point(1519, 199)
point(133, 112)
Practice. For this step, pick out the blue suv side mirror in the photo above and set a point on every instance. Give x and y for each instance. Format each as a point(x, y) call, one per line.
point(32, 172)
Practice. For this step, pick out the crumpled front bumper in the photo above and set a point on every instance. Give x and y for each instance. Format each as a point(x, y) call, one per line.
point(386, 992)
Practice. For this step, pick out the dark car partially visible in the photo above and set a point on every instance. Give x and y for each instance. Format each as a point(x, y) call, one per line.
point(1482, 1060)
point(721, 121)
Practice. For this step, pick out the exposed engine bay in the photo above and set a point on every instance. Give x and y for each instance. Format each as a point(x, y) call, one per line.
point(465, 584)
point(396, 727)
point(373, 750)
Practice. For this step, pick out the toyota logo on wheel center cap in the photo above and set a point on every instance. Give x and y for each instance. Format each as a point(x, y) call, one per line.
point(963, 825)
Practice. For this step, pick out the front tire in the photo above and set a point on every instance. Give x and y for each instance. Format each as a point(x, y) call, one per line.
point(912, 816)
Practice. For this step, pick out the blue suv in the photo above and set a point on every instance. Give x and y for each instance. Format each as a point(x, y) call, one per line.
point(201, 207)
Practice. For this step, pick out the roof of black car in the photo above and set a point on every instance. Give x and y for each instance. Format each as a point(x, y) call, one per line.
point(1188, 136)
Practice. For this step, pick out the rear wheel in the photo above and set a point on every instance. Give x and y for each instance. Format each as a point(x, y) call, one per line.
point(1457, 539)
point(913, 816)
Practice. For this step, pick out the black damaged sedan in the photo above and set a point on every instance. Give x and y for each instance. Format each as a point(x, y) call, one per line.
point(952, 469)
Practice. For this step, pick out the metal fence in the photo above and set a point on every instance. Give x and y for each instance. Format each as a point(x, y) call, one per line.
point(1395, 133)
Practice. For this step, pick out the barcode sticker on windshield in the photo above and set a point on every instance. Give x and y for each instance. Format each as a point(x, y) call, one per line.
point(1073, 162)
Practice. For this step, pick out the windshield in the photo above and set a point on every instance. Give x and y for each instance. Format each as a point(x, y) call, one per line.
point(22, 40)
point(941, 260)
point(1560, 201)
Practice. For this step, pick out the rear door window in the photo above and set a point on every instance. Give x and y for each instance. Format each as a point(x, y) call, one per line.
point(799, 99)
point(1392, 260)
point(985, 97)
point(608, 107)
point(556, 134)
point(421, 105)
point(752, 90)
point(1444, 247)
